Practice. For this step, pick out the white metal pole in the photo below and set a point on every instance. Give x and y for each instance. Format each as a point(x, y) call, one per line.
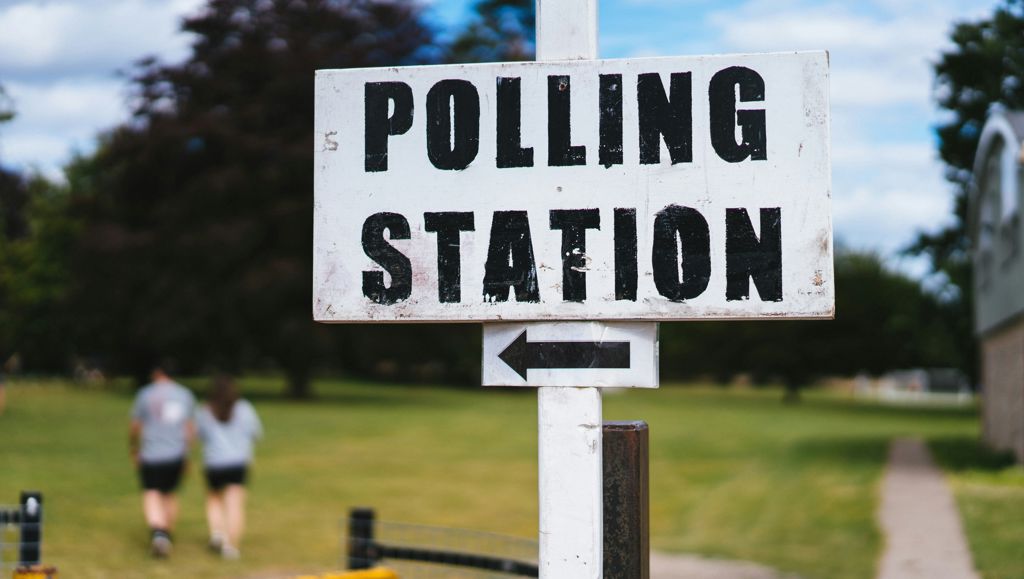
point(566, 29)
point(571, 498)
point(569, 419)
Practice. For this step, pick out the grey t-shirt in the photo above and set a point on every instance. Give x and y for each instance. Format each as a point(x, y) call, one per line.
point(228, 444)
point(164, 409)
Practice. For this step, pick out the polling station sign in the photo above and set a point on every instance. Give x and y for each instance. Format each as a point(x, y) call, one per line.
point(640, 189)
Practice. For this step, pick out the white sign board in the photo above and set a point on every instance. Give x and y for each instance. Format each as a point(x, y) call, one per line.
point(615, 354)
point(640, 189)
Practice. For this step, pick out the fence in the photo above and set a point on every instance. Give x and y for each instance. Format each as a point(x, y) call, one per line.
point(21, 532)
point(626, 526)
point(436, 552)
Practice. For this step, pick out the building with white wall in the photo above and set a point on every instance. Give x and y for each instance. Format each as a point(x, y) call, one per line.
point(997, 237)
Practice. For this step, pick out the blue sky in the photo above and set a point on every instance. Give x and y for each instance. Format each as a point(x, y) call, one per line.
point(59, 59)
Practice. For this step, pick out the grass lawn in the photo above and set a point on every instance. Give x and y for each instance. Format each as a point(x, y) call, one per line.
point(990, 494)
point(734, 474)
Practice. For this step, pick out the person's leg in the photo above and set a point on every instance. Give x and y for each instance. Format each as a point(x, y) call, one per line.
point(156, 518)
point(234, 503)
point(215, 518)
point(153, 509)
point(170, 479)
point(169, 503)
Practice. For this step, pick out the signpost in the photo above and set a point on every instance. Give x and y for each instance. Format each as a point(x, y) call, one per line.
point(571, 204)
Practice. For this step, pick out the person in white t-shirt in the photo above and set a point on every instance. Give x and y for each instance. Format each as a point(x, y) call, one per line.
point(228, 426)
point(160, 436)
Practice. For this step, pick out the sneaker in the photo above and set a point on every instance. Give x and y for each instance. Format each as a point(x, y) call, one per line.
point(216, 543)
point(230, 553)
point(161, 545)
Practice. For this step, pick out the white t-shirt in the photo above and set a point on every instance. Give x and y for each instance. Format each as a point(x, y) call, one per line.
point(228, 444)
point(163, 408)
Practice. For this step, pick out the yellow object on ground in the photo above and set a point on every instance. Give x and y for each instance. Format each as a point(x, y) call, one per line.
point(35, 572)
point(376, 573)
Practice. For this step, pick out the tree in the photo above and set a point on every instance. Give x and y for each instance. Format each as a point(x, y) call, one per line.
point(199, 211)
point(884, 320)
point(13, 192)
point(984, 67)
point(35, 277)
point(501, 30)
point(35, 237)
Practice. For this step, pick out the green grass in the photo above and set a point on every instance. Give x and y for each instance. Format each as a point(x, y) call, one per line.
point(990, 494)
point(734, 474)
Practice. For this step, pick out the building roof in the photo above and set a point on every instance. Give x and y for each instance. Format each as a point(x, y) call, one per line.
point(994, 219)
point(1016, 119)
point(1007, 127)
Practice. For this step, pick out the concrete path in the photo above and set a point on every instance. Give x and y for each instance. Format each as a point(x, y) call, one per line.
point(924, 539)
point(665, 566)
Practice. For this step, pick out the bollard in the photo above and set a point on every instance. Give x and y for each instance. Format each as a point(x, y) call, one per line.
point(31, 528)
point(627, 553)
point(361, 551)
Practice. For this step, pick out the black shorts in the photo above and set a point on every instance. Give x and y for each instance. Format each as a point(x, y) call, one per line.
point(218, 478)
point(161, 476)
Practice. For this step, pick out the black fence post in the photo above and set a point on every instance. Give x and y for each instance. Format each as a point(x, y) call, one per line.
point(31, 528)
point(627, 552)
point(361, 550)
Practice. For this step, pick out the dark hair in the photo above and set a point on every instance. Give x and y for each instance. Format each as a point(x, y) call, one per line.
point(164, 365)
point(223, 396)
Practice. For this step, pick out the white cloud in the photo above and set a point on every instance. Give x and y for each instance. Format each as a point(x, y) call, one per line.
point(886, 217)
point(884, 193)
point(88, 36)
point(887, 182)
point(55, 119)
point(880, 53)
point(58, 60)
point(877, 88)
point(865, 155)
point(68, 103)
point(669, 3)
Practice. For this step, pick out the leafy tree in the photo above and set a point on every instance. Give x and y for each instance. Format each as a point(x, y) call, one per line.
point(13, 193)
point(35, 279)
point(13, 201)
point(35, 238)
point(985, 66)
point(199, 210)
point(884, 321)
point(501, 30)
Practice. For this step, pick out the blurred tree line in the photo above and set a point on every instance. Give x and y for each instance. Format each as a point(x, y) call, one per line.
point(187, 233)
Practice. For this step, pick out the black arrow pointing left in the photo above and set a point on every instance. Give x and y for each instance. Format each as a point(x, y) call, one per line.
point(521, 355)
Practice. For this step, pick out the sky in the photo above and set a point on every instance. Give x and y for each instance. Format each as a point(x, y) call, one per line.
point(63, 61)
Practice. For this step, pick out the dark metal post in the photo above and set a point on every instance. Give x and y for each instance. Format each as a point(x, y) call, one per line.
point(627, 551)
point(31, 528)
point(361, 550)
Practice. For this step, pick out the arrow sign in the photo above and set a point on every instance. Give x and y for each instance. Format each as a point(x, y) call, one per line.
point(567, 353)
point(521, 355)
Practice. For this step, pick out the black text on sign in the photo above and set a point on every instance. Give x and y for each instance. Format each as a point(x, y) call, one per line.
point(670, 188)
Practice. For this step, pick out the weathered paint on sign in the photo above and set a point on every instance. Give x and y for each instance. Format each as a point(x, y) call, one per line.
point(640, 189)
point(602, 354)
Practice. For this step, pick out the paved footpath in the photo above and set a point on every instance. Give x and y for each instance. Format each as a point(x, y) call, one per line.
point(919, 518)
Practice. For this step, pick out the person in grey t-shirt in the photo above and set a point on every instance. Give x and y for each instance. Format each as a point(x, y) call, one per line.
point(228, 426)
point(162, 430)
